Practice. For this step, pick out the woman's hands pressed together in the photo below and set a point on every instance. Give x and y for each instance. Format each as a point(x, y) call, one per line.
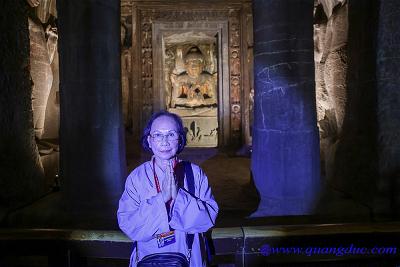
point(151, 194)
point(169, 188)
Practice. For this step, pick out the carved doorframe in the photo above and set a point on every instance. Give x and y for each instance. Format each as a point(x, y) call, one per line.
point(146, 17)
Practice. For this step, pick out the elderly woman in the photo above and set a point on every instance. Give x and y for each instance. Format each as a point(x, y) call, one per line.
point(167, 203)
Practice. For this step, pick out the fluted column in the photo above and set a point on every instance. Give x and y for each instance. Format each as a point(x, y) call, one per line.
point(92, 154)
point(285, 159)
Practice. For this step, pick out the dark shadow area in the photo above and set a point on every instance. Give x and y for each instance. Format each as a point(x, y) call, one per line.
point(357, 168)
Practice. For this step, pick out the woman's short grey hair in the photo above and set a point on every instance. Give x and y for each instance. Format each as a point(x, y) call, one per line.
point(178, 121)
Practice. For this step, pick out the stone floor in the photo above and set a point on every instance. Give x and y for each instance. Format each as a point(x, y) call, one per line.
point(233, 188)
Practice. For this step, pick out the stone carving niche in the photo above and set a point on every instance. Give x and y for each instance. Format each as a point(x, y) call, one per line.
point(188, 72)
point(191, 82)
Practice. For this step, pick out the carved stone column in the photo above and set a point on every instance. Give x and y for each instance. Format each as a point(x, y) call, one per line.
point(21, 175)
point(285, 159)
point(388, 110)
point(91, 134)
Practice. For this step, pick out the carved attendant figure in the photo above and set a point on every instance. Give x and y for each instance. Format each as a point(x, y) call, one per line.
point(125, 78)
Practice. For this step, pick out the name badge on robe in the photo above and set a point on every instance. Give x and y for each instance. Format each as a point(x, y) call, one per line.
point(165, 239)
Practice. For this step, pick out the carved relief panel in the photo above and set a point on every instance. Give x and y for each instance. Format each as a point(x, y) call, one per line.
point(171, 53)
point(191, 83)
point(235, 74)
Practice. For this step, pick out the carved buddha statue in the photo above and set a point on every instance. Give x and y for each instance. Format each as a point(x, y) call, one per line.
point(194, 87)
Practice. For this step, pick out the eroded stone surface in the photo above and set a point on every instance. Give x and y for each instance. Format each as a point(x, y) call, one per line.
point(388, 110)
point(21, 175)
point(330, 55)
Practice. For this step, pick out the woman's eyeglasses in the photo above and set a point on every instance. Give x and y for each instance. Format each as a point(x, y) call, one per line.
point(171, 136)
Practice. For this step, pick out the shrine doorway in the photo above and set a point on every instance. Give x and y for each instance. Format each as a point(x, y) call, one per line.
point(191, 71)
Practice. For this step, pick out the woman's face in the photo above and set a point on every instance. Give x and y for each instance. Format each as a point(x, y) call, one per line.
point(166, 147)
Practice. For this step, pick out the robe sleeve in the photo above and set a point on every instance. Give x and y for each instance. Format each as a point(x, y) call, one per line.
point(194, 214)
point(141, 218)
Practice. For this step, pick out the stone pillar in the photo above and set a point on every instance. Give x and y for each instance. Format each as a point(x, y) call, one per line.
point(351, 157)
point(388, 110)
point(285, 159)
point(21, 174)
point(92, 151)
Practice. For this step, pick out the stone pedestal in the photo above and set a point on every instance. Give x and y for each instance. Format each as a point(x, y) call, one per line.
point(201, 125)
point(51, 168)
